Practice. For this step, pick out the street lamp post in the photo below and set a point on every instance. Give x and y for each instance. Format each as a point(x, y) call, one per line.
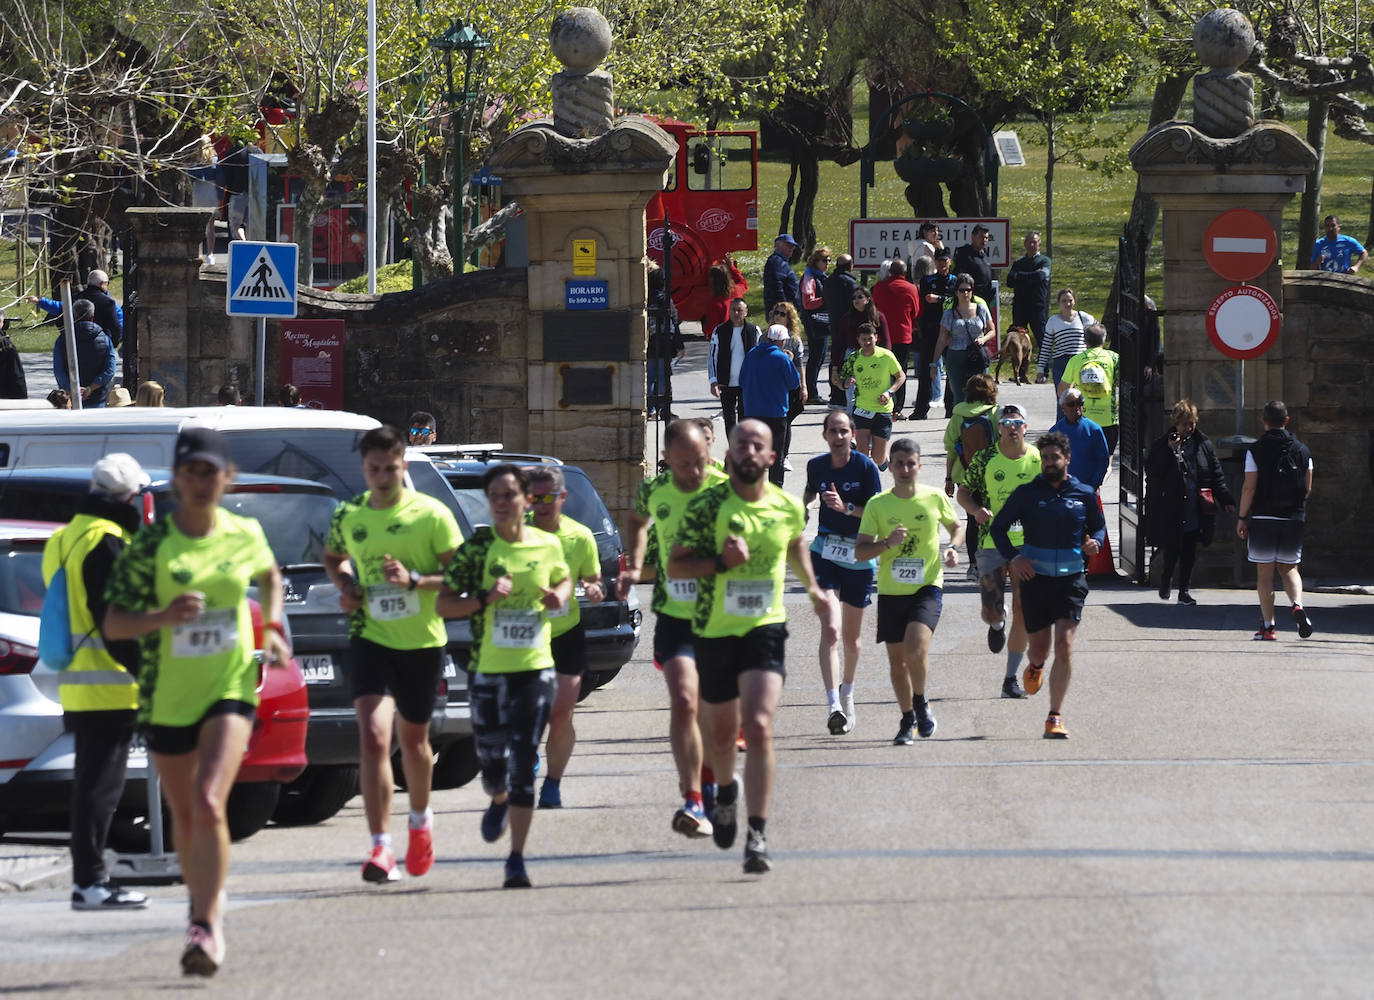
point(462, 38)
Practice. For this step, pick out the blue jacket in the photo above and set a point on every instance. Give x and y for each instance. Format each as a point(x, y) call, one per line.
point(1089, 459)
point(1054, 522)
point(95, 362)
point(54, 309)
point(766, 378)
point(780, 283)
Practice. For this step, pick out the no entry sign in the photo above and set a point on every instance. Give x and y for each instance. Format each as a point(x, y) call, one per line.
point(1243, 322)
point(1240, 244)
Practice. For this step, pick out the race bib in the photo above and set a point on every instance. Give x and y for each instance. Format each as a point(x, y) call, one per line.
point(909, 572)
point(859, 411)
point(684, 590)
point(516, 629)
point(748, 598)
point(837, 548)
point(215, 631)
point(388, 602)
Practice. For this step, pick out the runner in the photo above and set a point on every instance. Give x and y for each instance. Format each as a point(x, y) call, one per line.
point(180, 586)
point(901, 528)
point(569, 640)
point(736, 540)
point(660, 502)
point(875, 375)
point(508, 578)
point(991, 476)
point(1061, 524)
point(398, 542)
point(845, 480)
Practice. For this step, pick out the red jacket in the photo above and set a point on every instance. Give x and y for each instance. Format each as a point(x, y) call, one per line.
point(900, 304)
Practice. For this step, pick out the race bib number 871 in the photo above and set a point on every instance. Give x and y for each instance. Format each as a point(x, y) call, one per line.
point(215, 631)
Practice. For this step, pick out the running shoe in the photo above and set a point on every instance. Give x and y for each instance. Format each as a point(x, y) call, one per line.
point(925, 722)
point(1186, 598)
point(904, 737)
point(708, 798)
point(837, 722)
point(847, 703)
point(107, 896)
point(756, 860)
point(1267, 633)
point(691, 821)
point(997, 637)
point(381, 866)
point(786, 465)
point(420, 849)
point(516, 878)
point(723, 825)
point(494, 821)
point(1010, 689)
point(1304, 623)
point(740, 745)
point(204, 952)
point(1032, 677)
point(550, 795)
point(1054, 728)
point(1165, 589)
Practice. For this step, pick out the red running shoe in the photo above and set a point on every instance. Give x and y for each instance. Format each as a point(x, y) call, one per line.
point(381, 866)
point(420, 850)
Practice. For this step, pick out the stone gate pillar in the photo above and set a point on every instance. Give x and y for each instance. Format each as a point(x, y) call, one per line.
point(584, 179)
point(1224, 160)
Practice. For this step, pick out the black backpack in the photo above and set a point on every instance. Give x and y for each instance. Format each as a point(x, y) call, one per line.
point(975, 434)
point(1288, 484)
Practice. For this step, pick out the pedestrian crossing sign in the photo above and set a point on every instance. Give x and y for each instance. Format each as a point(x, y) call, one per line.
point(262, 280)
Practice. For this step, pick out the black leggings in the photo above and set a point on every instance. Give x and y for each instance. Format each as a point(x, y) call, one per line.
point(509, 715)
point(102, 754)
point(1185, 555)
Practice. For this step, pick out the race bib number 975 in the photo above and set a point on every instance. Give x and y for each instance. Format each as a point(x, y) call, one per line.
point(388, 602)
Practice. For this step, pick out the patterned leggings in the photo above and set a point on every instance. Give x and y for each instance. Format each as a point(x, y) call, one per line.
point(509, 715)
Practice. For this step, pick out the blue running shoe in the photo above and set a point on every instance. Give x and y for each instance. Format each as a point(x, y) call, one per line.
point(550, 797)
point(515, 872)
point(494, 821)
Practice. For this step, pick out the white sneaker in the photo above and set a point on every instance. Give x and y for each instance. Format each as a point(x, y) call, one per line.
point(786, 465)
point(847, 703)
point(210, 259)
point(106, 896)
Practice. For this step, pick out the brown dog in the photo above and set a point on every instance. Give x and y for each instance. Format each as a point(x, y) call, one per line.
point(1016, 351)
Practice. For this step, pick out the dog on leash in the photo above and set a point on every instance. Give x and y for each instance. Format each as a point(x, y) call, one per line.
point(1016, 351)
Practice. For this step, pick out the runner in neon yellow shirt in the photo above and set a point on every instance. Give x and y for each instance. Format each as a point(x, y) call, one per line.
point(659, 506)
point(901, 528)
point(737, 539)
point(548, 494)
point(875, 374)
point(180, 586)
point(508, 579)
point(398, 543)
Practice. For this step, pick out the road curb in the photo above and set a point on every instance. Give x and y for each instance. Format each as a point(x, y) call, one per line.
point(30, 871)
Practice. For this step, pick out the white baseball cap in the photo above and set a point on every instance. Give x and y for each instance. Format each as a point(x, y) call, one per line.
point(1009, 408)
point(118, 476)
point(779, 332)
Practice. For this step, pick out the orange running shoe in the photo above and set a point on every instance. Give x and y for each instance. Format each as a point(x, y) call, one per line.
point(1054, 728)
point(420, 850)
point(381, 866)
point(1032, 677)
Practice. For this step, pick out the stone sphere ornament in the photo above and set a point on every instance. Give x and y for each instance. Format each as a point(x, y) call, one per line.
point(580, 38)
point(1223, 39)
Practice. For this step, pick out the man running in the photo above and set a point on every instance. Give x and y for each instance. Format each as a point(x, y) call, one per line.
point(901, 528)
point(845, 480)
point(1061, 524)
point(399, 543)
point(992, 475)
point(736, 541)
point(548, 494)
point(660, 503)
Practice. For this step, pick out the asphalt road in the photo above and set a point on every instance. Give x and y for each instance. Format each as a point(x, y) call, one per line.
point(1205, 832)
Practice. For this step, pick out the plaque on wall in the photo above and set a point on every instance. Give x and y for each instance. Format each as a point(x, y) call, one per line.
point(587, 386)
point(595, 335)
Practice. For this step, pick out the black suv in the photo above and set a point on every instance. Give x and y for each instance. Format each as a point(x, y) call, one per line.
point(612, 626)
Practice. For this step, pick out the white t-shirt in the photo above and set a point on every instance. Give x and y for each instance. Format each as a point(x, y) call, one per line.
point(736, 355)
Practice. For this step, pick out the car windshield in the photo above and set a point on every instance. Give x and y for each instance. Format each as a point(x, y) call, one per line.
point(323, 455)
point(296, 524)
point(21, 580)
point(584, 505)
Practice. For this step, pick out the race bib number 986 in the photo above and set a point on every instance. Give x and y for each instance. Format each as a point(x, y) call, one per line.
point(748, 598)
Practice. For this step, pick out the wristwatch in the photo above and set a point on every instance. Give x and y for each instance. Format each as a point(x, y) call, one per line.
point(414, 578)
point(849, 508)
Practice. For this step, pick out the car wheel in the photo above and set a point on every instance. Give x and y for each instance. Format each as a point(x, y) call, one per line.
point(129, 833)
point(251, 805)
point(317, 795)
point(594, 679)
point(457, 764)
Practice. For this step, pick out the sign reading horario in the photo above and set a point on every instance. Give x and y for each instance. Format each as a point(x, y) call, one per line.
point(872, 241)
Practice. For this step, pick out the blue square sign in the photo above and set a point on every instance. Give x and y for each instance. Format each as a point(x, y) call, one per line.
point(262, 279)
point(586, 293)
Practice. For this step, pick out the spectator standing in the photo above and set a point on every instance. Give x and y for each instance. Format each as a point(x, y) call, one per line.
point(796, 348)
point(1336, 252)
point(844, 340)
point(97, 291)
point(1179, 466)
point(95, 357)
point(972, 259)
point(665, 343)
point(965, 326)
point(767, 378)
point(205, 192)
point(839, 287)
point(779, 280)
point(899, 301)
point(1093, 372)
point(234, 179)
point(1063, 338)
point(1273, 514)
point(935, 289)
point(229, 395)
point(730, 342)
point(1090, 459)
point(13, 385)
point(289, 397)
point(727, 283)
point(1029, 278)
point(815, 318)
point(930, 242)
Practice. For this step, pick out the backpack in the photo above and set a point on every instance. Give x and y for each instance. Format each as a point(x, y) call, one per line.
point(975, 434)
point(1095, 380)
point(1288, 487)
point(55, 622)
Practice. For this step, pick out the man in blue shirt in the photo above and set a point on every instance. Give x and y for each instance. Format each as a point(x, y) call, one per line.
point(1091, 457)
point(779, 280)
point(766, 378)
point(95, 358)
point(1338, 253)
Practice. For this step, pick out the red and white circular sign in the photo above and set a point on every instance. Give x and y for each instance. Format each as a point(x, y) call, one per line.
point(1243, 322)
point(1240, 244)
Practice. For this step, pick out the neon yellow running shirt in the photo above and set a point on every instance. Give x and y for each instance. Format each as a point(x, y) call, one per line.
point(914, 564)
point(658, 498)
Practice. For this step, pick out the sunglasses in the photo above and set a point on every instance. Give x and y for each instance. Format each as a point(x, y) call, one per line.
point(547, 499)
point(1010, 422)
point(422, 430)
point(963, 288)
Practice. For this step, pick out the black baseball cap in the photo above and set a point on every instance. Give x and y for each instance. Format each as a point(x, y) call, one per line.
point(201, 444)
point(943, 254)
